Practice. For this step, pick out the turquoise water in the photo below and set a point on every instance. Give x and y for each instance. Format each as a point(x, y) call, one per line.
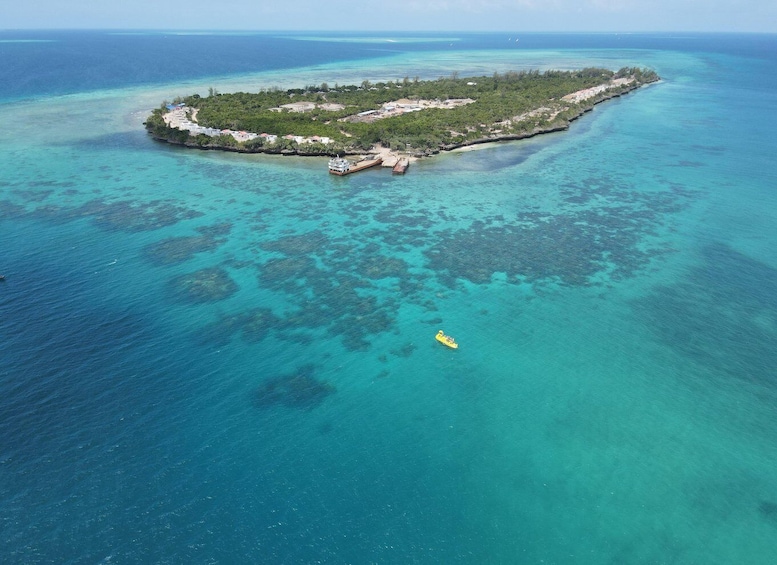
point(221, 358)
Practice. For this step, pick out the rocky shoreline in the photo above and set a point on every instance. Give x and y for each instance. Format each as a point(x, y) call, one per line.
point(390, 157)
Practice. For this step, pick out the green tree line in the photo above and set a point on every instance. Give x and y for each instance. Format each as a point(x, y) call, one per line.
point(497, 100)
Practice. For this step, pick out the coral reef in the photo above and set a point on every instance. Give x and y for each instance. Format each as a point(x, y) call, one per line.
point(205, 285)
point(299, 389)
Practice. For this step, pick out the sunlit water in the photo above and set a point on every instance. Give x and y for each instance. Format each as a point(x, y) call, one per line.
point(212, 357)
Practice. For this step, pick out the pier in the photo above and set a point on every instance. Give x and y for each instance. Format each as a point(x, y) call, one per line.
point(341, 167)
point(400, 168)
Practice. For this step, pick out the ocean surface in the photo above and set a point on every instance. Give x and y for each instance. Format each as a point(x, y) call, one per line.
point(219, 358)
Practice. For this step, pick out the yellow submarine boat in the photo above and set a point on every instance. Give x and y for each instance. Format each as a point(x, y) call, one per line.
point(446, 340)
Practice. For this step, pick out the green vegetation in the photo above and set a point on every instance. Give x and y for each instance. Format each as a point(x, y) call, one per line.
point(503, 106)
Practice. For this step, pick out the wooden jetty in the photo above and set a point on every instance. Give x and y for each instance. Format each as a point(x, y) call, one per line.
point(400, 168)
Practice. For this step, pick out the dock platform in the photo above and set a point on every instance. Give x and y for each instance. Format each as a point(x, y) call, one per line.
point(400, 168)
point(342, 167)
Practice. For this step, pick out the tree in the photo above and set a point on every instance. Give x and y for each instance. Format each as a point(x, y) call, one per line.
point(498, 99)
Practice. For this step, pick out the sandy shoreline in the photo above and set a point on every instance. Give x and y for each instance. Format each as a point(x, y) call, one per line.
point(390, 158)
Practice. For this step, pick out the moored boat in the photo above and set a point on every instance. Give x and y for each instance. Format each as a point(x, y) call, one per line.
point(446, 340)
point(339, 166)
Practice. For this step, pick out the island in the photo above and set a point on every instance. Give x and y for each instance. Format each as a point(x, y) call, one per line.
point(403, 119)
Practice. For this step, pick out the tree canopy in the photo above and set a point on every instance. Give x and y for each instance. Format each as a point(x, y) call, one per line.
point(502, 105)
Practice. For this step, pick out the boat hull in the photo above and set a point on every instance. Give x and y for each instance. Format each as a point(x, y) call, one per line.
point(446, 340)
point(355, 168)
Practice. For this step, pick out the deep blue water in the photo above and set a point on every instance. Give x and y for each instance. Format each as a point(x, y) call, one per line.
point(210, 357)
point(37, 63)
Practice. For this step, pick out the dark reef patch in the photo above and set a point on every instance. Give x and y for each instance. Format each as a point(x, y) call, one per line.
point(354, 328)
point(253, 325)
point(302, 244)
point(723, 314)
point(11, 210)
point(218, 333)
point(768, 511)
point(381, 267)
point(215, 230)
point(403, 219)
point(51, 183)
point(400, 237)
point(560, 247)
point(404, 351)
point(300, 390)
point(329, 289)
point(288, 273)
point(33, 195)
point(205, 285)
point(132, 216)
point(256, 324)
point(125, 216)
point(349, 279)
point(175, 250)
point(569, 247)
point(768, 508)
